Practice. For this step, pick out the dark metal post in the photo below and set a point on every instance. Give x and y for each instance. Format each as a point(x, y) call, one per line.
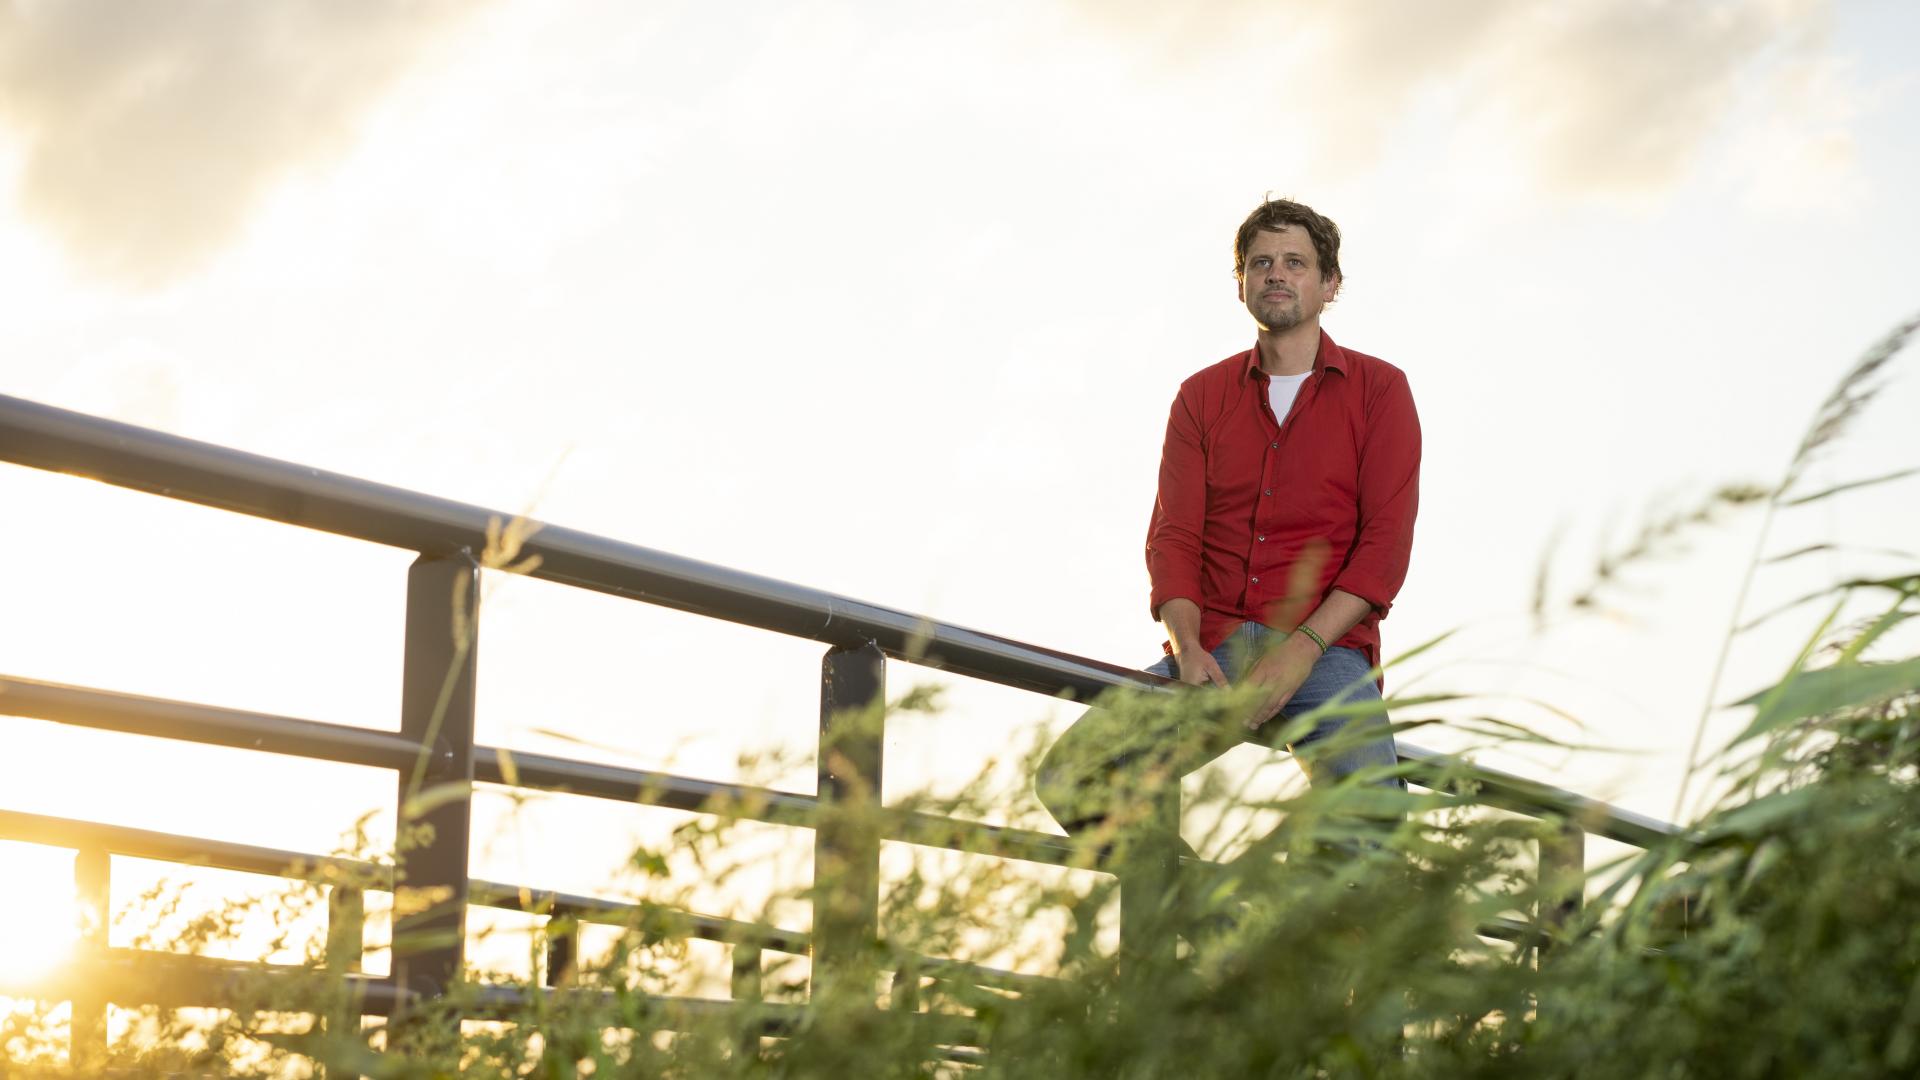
point(846, 849)
point(746, 972)
point(563, 946)
point(748, 988)
point(1563, 875)
point(92, 886)
point(1148, 865)
point(435, 796)
point(906, 988)
point(346, 923)
point(346, 945)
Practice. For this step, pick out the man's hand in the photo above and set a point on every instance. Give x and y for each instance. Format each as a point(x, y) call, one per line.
point(1197, 666)
point(1279, 674)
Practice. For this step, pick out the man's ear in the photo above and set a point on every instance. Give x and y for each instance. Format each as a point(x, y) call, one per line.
point(1240, 287)
point(1333, 287)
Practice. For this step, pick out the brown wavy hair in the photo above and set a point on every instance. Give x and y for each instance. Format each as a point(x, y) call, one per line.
point(1275, 214)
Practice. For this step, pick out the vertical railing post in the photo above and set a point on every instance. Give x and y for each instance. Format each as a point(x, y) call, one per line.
point(563, 946)
point(435, 796)
point(1148, 864)
point(906, 987)
point(747, 973)
point(346, 946)
point(346, 928)
point(846, 848)
point(748, 985)
point(93, 889)
point(1563, 875)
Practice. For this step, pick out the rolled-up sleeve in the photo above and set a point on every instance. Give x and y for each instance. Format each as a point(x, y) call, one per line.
point(1179, 508)
point(1389, 496)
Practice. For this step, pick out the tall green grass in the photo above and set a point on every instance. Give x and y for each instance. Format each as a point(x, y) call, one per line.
point(1776, 937)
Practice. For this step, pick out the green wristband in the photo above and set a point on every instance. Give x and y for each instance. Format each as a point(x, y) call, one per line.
point(1303, 628)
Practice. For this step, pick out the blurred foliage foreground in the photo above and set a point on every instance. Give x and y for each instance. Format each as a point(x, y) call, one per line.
point(1779, 936)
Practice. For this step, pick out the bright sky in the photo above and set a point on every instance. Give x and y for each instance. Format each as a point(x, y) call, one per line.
point(891, 300)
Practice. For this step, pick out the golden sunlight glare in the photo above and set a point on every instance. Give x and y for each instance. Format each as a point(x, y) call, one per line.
point(38, 917)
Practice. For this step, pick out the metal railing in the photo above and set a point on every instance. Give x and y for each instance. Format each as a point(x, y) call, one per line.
point(435, 744)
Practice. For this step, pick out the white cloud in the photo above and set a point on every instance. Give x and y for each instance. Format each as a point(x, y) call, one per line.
point(1607, 98)
point(150, 131)
point(1803, 154)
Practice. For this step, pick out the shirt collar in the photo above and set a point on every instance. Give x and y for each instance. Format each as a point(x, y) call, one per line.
point(1330, 356)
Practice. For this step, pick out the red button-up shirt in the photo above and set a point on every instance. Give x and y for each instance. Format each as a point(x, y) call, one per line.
point(1259, 518)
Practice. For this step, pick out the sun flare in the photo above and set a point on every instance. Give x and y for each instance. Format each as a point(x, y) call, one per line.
point(38, 925)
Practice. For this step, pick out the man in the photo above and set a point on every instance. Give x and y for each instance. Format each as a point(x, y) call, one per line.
point(1288, 484)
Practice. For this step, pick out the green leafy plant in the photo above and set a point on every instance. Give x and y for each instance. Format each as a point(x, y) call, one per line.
point(1371, 931)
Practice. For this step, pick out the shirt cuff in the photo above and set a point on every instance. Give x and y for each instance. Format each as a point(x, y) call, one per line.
point(1175, 591)
point(1366, 588)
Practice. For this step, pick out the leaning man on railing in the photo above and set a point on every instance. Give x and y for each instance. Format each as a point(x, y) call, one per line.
point(1280, 534)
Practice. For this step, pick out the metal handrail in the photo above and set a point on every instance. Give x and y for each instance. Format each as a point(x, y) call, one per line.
point(314, 740)
point(452, 539)
point(124, 455)
point(138, 843)
point(45, 437)
point(178, 980)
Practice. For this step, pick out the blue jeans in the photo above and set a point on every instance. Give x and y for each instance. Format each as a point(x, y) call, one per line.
point(1092, 750)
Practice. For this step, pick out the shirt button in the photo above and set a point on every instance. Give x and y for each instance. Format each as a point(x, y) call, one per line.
point(1256, 581)
point(1273, 446)
point(1269, 491)
point(1262, 538)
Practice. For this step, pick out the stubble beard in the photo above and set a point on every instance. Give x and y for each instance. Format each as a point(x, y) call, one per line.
point(1279, 317)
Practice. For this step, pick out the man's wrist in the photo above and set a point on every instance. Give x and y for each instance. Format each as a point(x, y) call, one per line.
point(1302, 647)
point(1312, 637)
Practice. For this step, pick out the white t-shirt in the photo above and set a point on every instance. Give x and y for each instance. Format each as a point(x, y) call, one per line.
point(1281, 390)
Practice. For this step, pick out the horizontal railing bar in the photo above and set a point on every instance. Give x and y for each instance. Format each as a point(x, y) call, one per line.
point(1519, 794)
point(162, 718)
point(953, 1033)
point(187, 850)
point(977, 838)
point(219, 854)
point(203, 981)
point(274, 862)
point(200, 851)
point(312, 739)
point(166, 719)
point(621, 784)
point(979, 974)
point(44, 437)
point(172, 980)
point(674, 1013)
point(223, 855)
point(666, 1011)
point(1502, 928)
point(181, 980)
point(188, 980)
point(541, 772)
point(617, 913)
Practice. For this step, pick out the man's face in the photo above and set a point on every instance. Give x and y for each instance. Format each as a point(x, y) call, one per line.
point(1281, 283)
